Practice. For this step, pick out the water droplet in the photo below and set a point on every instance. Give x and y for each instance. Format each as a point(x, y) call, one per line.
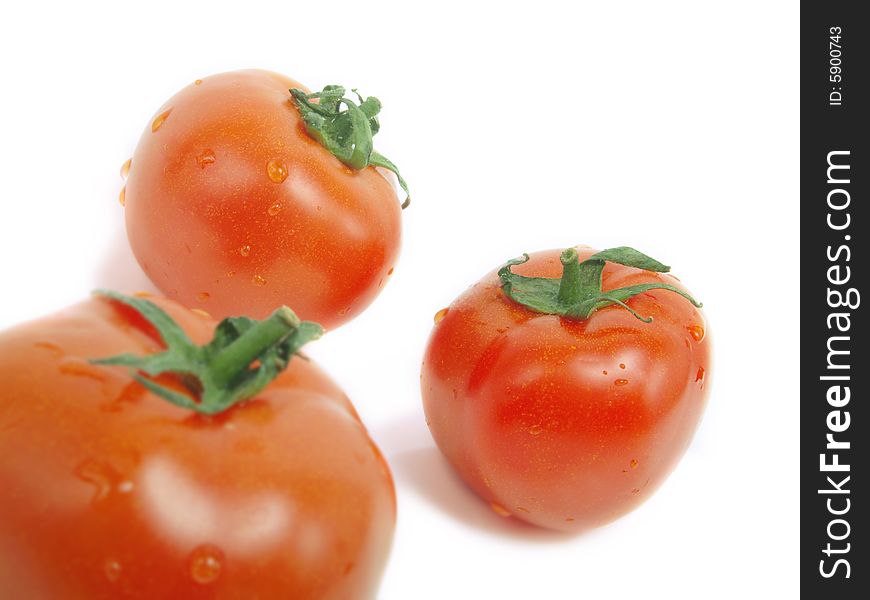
point(158, 121)
point(277, 171)
point(697, 332)
point(274, 209)
point(245, 250)
point(205, 159)
point(621, 365)
point(500, 510)
point(202, 296)
point(197, 82)
point(99, 476)
point(112, 570)
point(699, 376)
point(258, 280)
point(390, 272)
point(206, 562)
point(383, 468)
point(74, 365)
point(125, 168)
point(122, 196)
point(128, 394)
point(535, 430)
point(201, 313)
point(633, 463)
point(441, 314)
point(621, 382)
point(50, 346)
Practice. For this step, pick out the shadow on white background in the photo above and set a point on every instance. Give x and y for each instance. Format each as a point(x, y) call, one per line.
point(425, 472)
point(119, 269)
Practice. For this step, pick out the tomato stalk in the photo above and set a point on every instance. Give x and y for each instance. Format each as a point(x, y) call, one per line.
point(571, 286)
point(579, 292)
point(234, 360)
point(242, 358)
point(348, 134)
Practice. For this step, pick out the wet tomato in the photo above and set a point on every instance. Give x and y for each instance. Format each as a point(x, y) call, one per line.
point(552, 393)
point(243, 196)
point(108, 490)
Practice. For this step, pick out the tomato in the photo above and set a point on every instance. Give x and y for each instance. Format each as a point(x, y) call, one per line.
point(233, 207)
point(566, 420)
point(107, 490)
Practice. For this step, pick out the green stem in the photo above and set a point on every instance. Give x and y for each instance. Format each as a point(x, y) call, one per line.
point(570, 291)
point(243, 357)
point(236, 358)
point(579, 292)
point(347, 133)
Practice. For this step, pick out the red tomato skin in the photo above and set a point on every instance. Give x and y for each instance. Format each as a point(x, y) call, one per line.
point(108, 491)
point(232, 207)
point(565, 424)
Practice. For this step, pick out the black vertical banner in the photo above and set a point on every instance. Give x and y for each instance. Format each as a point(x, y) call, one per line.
point(835, 340)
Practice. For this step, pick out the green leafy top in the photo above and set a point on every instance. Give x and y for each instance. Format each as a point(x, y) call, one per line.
point(241, 359)
point(347, 133)
point(578, 293)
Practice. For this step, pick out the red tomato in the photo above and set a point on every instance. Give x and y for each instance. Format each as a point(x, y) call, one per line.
point(233, 207)
point(562, 422)
point(109, 491)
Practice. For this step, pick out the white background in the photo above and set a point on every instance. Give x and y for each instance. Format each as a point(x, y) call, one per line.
point(671, 127)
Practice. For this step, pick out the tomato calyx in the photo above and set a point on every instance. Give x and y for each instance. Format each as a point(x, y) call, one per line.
point(578, 293)
point(346, 133)
point(242, 358)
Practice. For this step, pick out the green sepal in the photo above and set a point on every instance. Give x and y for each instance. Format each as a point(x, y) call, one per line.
point(220, 373)
point(348, 134)
point(630, 257)
point(579, 292)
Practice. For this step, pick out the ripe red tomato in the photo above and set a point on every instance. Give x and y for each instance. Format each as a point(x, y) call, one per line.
point(231, 205)
point(562, 421)
point(109, 491)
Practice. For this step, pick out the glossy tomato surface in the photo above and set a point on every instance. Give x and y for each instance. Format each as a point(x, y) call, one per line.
point(107, 491)
point(232, 207)
point(565, 424)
